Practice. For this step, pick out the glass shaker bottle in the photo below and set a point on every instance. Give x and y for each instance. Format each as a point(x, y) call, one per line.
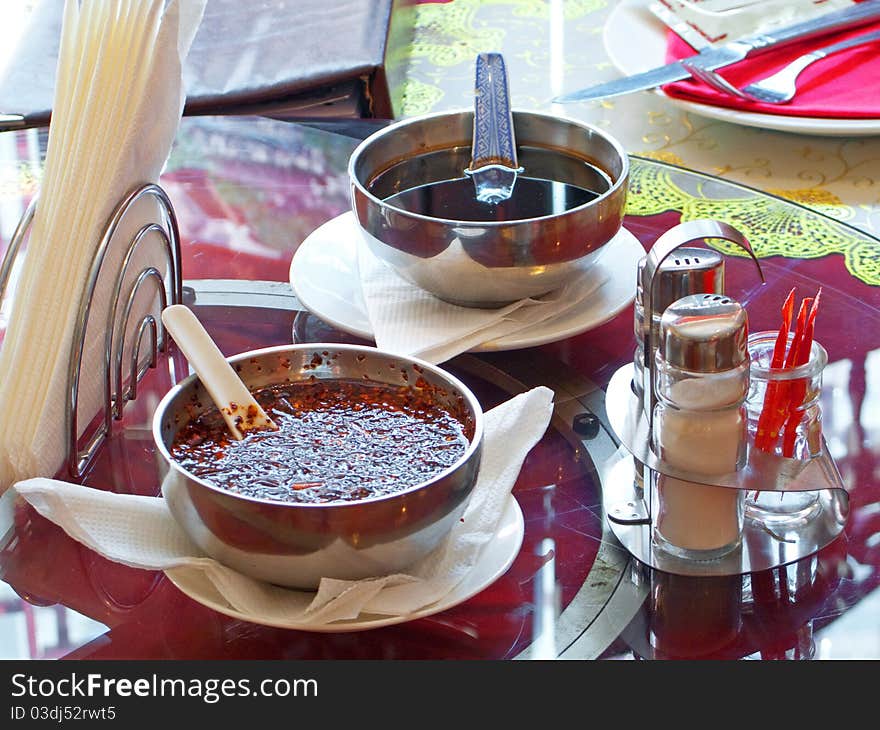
point(688, 270)
point(699, 425)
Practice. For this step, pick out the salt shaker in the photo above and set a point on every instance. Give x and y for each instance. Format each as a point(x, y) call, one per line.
point(699, 425)
point(688, 270)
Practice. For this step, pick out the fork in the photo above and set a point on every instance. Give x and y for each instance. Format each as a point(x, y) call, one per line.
point(781, 87)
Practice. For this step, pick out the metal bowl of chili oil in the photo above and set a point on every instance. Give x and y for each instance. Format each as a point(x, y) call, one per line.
point(373, 463)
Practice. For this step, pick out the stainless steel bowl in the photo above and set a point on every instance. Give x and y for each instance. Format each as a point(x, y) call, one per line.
point(492, 262)
point(293, 544)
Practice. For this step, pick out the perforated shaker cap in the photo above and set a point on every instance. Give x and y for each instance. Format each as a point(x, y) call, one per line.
point(704, 333)
point(687, 270)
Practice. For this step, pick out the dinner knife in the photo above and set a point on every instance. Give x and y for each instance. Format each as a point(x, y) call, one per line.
point(732, 52)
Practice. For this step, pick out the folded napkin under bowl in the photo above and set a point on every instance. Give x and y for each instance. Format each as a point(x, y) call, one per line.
point(141, 532)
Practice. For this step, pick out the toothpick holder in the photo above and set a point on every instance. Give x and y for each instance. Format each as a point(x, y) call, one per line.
point(119, 385)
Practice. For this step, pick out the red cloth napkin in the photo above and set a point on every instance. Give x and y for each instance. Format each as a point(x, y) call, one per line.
point(845, 85)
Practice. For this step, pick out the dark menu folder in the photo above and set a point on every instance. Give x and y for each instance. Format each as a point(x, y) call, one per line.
point(294, 59)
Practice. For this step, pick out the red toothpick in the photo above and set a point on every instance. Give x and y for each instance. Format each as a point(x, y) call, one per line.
point(794, 351)
point(782, 338)
point(778, 403)
point(779, 410)
point(777, 361)
point(798, 390)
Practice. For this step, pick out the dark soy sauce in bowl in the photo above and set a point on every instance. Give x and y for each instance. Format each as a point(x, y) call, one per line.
point(455, 200)
point(552, 183)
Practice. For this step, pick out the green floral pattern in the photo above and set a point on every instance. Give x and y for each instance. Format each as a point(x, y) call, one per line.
point(449, 35)
point(773, 227)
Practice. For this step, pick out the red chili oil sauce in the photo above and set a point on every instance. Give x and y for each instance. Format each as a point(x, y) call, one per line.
point(337, 440)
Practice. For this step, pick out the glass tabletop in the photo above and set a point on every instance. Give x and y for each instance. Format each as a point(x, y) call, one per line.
point(247, 192)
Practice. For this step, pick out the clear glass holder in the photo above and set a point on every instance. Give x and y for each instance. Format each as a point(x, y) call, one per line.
point(792, 430)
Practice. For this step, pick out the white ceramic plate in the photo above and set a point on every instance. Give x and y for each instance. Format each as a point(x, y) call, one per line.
point(324, 277)
point(496, 557)
point(636, 41)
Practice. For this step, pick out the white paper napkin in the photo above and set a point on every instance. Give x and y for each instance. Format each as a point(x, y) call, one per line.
point(726, 20)
point(409, 321)
point(141, 532)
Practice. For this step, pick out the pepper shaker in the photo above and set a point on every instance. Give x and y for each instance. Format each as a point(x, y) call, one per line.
point(664, 247)
point(688, 270)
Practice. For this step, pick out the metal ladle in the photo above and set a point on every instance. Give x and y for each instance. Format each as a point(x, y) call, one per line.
point(493, 166)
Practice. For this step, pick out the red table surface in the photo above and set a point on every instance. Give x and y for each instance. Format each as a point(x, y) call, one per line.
point(246, 193)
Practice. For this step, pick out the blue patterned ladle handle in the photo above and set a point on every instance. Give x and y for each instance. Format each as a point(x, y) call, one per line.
point(493, 153)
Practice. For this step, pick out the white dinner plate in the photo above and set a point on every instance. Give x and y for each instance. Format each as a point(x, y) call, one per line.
point(324, 277)
point(636, 41)
point(496, 557)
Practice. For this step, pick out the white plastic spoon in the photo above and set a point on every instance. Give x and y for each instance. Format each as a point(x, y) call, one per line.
point(232, 397)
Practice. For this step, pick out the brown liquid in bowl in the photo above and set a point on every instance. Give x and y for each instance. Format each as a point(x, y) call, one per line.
point(456, 200)
point(337, 440)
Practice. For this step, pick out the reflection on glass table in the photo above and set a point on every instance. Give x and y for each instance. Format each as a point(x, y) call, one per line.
point(247, 193)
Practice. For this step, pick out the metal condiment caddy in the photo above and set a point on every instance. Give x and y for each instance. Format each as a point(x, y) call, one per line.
point(83, 443)
point(629, 476)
